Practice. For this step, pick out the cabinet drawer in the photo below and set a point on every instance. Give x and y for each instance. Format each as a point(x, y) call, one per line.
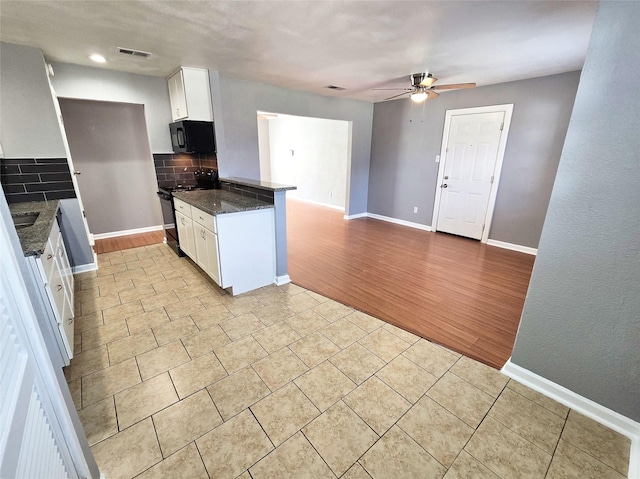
point(182, 207)
point(204, 219)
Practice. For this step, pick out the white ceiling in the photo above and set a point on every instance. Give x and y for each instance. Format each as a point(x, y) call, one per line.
point(308, 45)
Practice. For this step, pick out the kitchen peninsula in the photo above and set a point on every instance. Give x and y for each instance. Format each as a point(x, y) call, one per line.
point(232, 233)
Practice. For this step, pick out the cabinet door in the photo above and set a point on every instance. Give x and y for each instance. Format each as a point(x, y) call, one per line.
point(200, 241)
point(185, 235)
point(213, 264)
point(197, 93)
point(177, 96)
point(57, 291)
point(207, 252)
point(65, 269)
point(66, 327)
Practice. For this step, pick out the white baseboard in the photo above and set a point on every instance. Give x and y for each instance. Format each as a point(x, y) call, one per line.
point(115, 234)
point(83, 268)
point(318, 203)
point(605, 416)
point(356, 216)
point(513, 247)
point(284, 279)
point(410, 224)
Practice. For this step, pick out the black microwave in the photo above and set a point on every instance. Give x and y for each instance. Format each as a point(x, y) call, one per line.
point(189, 136)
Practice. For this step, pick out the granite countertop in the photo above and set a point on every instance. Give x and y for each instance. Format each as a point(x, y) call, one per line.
point(33, 239)
point(264, 185)
point(217, 202)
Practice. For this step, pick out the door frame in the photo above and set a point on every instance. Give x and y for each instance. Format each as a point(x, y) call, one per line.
point(507, 109)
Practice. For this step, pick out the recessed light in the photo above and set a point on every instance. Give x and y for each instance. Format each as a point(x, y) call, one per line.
point(98, 58)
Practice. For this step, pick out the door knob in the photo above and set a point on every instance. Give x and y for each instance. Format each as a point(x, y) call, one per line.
point(444, 185)
point(77, 172)
point(446, 177)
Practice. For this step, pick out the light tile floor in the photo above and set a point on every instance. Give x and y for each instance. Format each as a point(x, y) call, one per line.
point(174, 378)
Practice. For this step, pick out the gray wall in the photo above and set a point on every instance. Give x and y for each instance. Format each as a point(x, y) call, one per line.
point(407, 137)
point(109, 145)
point(235, 104)
point(74, 81)
point(581, 321)
point(29, 126)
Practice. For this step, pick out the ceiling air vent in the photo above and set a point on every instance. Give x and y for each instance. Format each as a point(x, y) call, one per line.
point(133, 53)
point(334, 87)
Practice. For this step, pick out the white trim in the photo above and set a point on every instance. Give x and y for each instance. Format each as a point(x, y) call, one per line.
point(605, 416)
point(513, 247)
point(397, 221)
point(507, 109)
point(115, 234)
point(83, 268)
point(356, 216)
point(318, 203)
point(284, 279)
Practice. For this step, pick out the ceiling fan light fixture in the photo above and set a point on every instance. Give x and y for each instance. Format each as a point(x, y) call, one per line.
point(419, 96)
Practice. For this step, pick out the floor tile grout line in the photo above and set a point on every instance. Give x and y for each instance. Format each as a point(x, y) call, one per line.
point(316, 450)
point(585, 451)
point(536, 402)
point(555, 449)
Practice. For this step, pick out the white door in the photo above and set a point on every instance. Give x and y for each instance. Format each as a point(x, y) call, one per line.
point(470, 159)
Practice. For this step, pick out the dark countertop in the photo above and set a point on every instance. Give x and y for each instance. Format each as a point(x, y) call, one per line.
point(33, 239)
point(218, 202)
point(264, 185)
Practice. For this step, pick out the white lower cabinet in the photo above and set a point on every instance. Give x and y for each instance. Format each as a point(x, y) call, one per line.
point(184, 225)
point(57, 276)
point(207, 251)
point(237, 250)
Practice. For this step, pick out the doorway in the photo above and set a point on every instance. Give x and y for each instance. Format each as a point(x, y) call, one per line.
point(114, 166)
point(312, 154)
point(473, 146)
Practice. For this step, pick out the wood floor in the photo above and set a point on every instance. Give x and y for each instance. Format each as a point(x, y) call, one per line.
point(108, 245)
point(451, 290)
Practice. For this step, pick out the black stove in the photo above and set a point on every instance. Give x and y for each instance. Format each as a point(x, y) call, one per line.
point(204, 180)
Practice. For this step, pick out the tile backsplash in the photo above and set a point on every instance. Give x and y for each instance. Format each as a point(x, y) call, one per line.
point(177, 169)
point(248, 191)
point(35, 179)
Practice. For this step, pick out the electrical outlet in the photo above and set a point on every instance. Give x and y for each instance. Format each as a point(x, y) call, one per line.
point(415, 209)
point(437, 158)
point(331, 194)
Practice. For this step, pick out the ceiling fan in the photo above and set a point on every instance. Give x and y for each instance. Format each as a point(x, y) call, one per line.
point(422, 88)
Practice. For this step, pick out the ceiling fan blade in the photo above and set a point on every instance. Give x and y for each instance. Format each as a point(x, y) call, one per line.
point(428, 81)
point(396, 96)
point(432, 94)
point(455, 86)
point(398, 89)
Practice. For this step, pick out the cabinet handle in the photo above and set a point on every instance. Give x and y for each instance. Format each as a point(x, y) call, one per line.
point(59, 287)
point(70, 320)
point(49, 256)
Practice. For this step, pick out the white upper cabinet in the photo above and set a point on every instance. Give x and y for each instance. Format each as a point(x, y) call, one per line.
point(190, 95)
